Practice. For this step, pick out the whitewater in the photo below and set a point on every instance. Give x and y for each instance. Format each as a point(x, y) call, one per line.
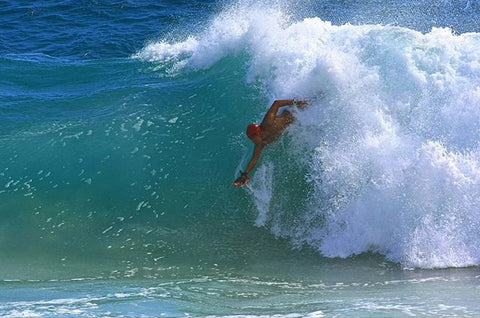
point(389, 144)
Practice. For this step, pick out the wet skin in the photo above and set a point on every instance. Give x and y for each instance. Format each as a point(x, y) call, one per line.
point(272, 127)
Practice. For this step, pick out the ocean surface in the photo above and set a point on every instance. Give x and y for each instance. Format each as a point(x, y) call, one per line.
point(122, 128)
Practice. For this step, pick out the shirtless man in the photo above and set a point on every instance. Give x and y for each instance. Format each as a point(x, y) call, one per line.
point(269, 130)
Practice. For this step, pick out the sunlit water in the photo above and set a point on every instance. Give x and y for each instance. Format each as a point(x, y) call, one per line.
point(122, 128)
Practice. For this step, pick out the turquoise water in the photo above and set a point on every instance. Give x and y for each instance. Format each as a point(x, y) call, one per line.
point(122, 128)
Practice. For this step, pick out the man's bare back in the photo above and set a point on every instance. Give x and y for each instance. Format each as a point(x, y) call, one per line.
point(268, 131)
point(273, 129)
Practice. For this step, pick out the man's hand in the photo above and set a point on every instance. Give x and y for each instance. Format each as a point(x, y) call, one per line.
point(242, 180)
point(301, 103)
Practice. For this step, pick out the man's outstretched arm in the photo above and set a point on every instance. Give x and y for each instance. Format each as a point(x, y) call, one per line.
point(256, 155)
point(272, 112)
point(244, 178)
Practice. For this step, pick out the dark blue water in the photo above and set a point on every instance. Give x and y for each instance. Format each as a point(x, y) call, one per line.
point(94, 29)
point(122, 128)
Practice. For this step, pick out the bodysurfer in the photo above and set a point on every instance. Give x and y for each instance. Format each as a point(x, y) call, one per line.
point(269, 130)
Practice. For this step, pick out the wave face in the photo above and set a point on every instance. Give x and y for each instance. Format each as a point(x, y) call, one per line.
point(121, 152)
point(386, 157)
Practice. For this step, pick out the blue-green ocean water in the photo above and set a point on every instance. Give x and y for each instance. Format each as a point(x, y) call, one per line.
point(122, 127)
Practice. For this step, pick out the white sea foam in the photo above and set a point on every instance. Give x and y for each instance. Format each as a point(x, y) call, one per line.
point(315, 314)
point(163, 51)
point(393, 144)
point(261, 189)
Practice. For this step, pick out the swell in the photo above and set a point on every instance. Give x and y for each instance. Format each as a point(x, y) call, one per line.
point(136, 159)
point(105, 158)
point(91, 30)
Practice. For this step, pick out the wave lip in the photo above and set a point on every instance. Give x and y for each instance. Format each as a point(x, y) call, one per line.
point(233, 31)
point(163, 51)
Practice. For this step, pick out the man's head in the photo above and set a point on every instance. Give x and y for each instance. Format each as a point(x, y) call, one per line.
point(254, 131)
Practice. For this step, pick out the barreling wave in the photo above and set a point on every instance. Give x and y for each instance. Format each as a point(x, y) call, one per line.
point(387, 156)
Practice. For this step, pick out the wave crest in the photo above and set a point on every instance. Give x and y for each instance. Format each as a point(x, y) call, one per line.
point(391, 136)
